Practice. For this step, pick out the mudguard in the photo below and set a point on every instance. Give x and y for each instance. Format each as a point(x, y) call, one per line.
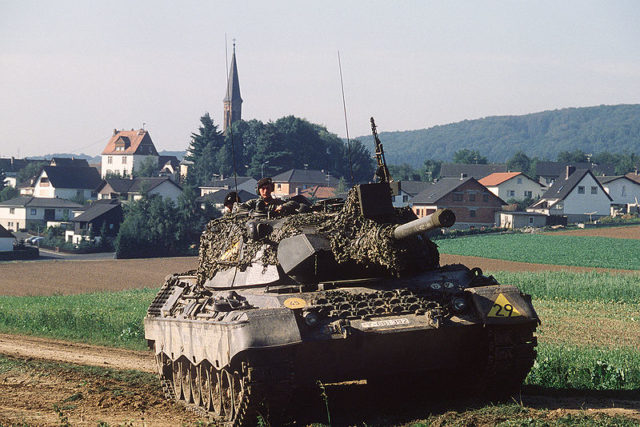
point(503, 305)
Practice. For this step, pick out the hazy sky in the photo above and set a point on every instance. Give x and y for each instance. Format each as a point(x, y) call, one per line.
point(72, 71)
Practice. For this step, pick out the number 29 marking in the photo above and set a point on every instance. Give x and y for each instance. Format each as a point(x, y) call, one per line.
point(507, 308)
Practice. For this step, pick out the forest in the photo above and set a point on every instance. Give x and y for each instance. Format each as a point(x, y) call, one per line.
point(614, 129)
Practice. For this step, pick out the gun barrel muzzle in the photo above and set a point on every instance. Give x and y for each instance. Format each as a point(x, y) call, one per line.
point(440, 218)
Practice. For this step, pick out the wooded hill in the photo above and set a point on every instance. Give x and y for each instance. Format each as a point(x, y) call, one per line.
point(611, 128)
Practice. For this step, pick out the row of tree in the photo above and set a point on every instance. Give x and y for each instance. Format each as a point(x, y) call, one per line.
point(252, 148)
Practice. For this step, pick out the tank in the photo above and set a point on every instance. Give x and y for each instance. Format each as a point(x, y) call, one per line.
point(348, 290)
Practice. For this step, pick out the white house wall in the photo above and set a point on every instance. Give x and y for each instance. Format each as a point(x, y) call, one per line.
point(13, 221)
point(120, 167)
point(623, 191)
point(167, 190)
point(503, 190)
point(580, 204)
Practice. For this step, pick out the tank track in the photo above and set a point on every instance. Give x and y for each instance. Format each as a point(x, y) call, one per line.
point(510, 355)
point(267, 389)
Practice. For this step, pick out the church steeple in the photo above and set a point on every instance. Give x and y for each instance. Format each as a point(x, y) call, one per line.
point(232, 100)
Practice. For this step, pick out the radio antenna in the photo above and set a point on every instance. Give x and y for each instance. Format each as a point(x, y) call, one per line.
point(346, 125)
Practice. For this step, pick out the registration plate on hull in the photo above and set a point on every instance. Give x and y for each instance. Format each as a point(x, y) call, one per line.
point(384, 323)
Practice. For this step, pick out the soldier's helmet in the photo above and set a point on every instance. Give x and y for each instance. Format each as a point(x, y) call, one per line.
point(266, 181)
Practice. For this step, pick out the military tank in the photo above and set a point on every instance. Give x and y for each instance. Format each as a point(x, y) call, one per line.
point(349, 290)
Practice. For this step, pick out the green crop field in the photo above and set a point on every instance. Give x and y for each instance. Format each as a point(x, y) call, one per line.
point(589, 337)
point(585, 251)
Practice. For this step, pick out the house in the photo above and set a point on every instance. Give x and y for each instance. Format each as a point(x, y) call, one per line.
point(69, 162)
point(125, 150)
point(67, 182)
point(169, 166)
point(216, 198)
point(318, 192)
point(512, 185)
point(11, 167)
point(100, 213)
point(578, 195)
point(184, 168)
point(464, 170)
point(473, 205)
point(244, 183)
point(548, 172)
point(293, 181)
point(27, 212)
point(407, 191)
point(624, 191)
point(516, 219)
point(132, 189)
point(6, 240)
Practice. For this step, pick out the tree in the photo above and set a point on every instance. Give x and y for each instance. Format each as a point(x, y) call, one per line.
point(203, 151)
point(29, 171)
point(469, 157)
point(8, 193)
point(404, 172)
point(520, 162)
point(2, 178)
point(148, 168)
point(576, 156)
point(432, 169)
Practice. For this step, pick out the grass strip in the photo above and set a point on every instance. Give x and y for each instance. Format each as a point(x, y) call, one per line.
point(583, 251)
point(105, 318)
point(574, 286)
point(586, 368)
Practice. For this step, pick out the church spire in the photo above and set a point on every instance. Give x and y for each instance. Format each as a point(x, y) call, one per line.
point(232, 100)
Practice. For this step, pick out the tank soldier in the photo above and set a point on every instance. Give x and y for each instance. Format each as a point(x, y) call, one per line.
point(229, 201)
point(268, 204)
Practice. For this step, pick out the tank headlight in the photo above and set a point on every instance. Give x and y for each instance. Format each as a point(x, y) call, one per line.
point(436, 286)
point(449, 285)
point(311, 318)
point(459, 305)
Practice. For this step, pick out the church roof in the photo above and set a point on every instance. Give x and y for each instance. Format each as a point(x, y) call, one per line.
point(233, 83)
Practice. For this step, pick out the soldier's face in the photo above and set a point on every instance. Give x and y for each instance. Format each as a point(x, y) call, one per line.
point(265, 191)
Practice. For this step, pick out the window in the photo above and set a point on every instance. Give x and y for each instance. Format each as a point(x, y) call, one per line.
point(519, 180)
point(485, 197)
point(472, 213)
point(12, 210)
point(594, 189)
point(511, 193)
point(624, 190)
point(110, 160)
point(528, 195)
point(124, 160)
point(33, 211)
point(457, 197)
point(405, 198)
point(472, 197)
point(581, 189)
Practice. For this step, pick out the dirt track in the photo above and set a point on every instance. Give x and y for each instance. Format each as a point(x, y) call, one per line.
point(42, 393)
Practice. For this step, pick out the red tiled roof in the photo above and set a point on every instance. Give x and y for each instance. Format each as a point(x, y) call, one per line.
point(318, 192)
point(497, 178)
point(132, 141)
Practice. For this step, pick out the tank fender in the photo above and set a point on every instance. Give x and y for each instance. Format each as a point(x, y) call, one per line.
point(502, 304)
point(219, 342)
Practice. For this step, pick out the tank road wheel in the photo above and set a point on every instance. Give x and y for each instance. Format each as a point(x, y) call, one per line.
point(196, 384)
point(177, 379)
point(207, 382)
point(216, 393)
point(227, 394)
point(187, 384)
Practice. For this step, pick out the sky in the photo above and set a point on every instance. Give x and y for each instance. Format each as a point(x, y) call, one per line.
point(72, 71)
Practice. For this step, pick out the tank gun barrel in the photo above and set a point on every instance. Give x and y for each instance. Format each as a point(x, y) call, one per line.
point(440, 218)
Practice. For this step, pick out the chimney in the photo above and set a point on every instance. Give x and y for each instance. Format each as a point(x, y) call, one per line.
point(461, 176)
point(115, 132)
point(570, 170)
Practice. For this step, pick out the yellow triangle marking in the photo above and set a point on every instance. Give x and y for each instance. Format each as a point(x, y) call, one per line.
point(503, 308)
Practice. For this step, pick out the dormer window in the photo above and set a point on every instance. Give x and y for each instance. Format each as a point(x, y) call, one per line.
point(122, 143)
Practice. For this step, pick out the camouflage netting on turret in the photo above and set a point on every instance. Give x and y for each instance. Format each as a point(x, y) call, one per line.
point(352, 237)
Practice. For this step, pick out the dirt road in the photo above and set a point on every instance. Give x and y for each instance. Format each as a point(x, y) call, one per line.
point(37, 390)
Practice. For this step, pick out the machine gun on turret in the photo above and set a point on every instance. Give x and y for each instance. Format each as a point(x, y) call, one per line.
point(382, 172)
